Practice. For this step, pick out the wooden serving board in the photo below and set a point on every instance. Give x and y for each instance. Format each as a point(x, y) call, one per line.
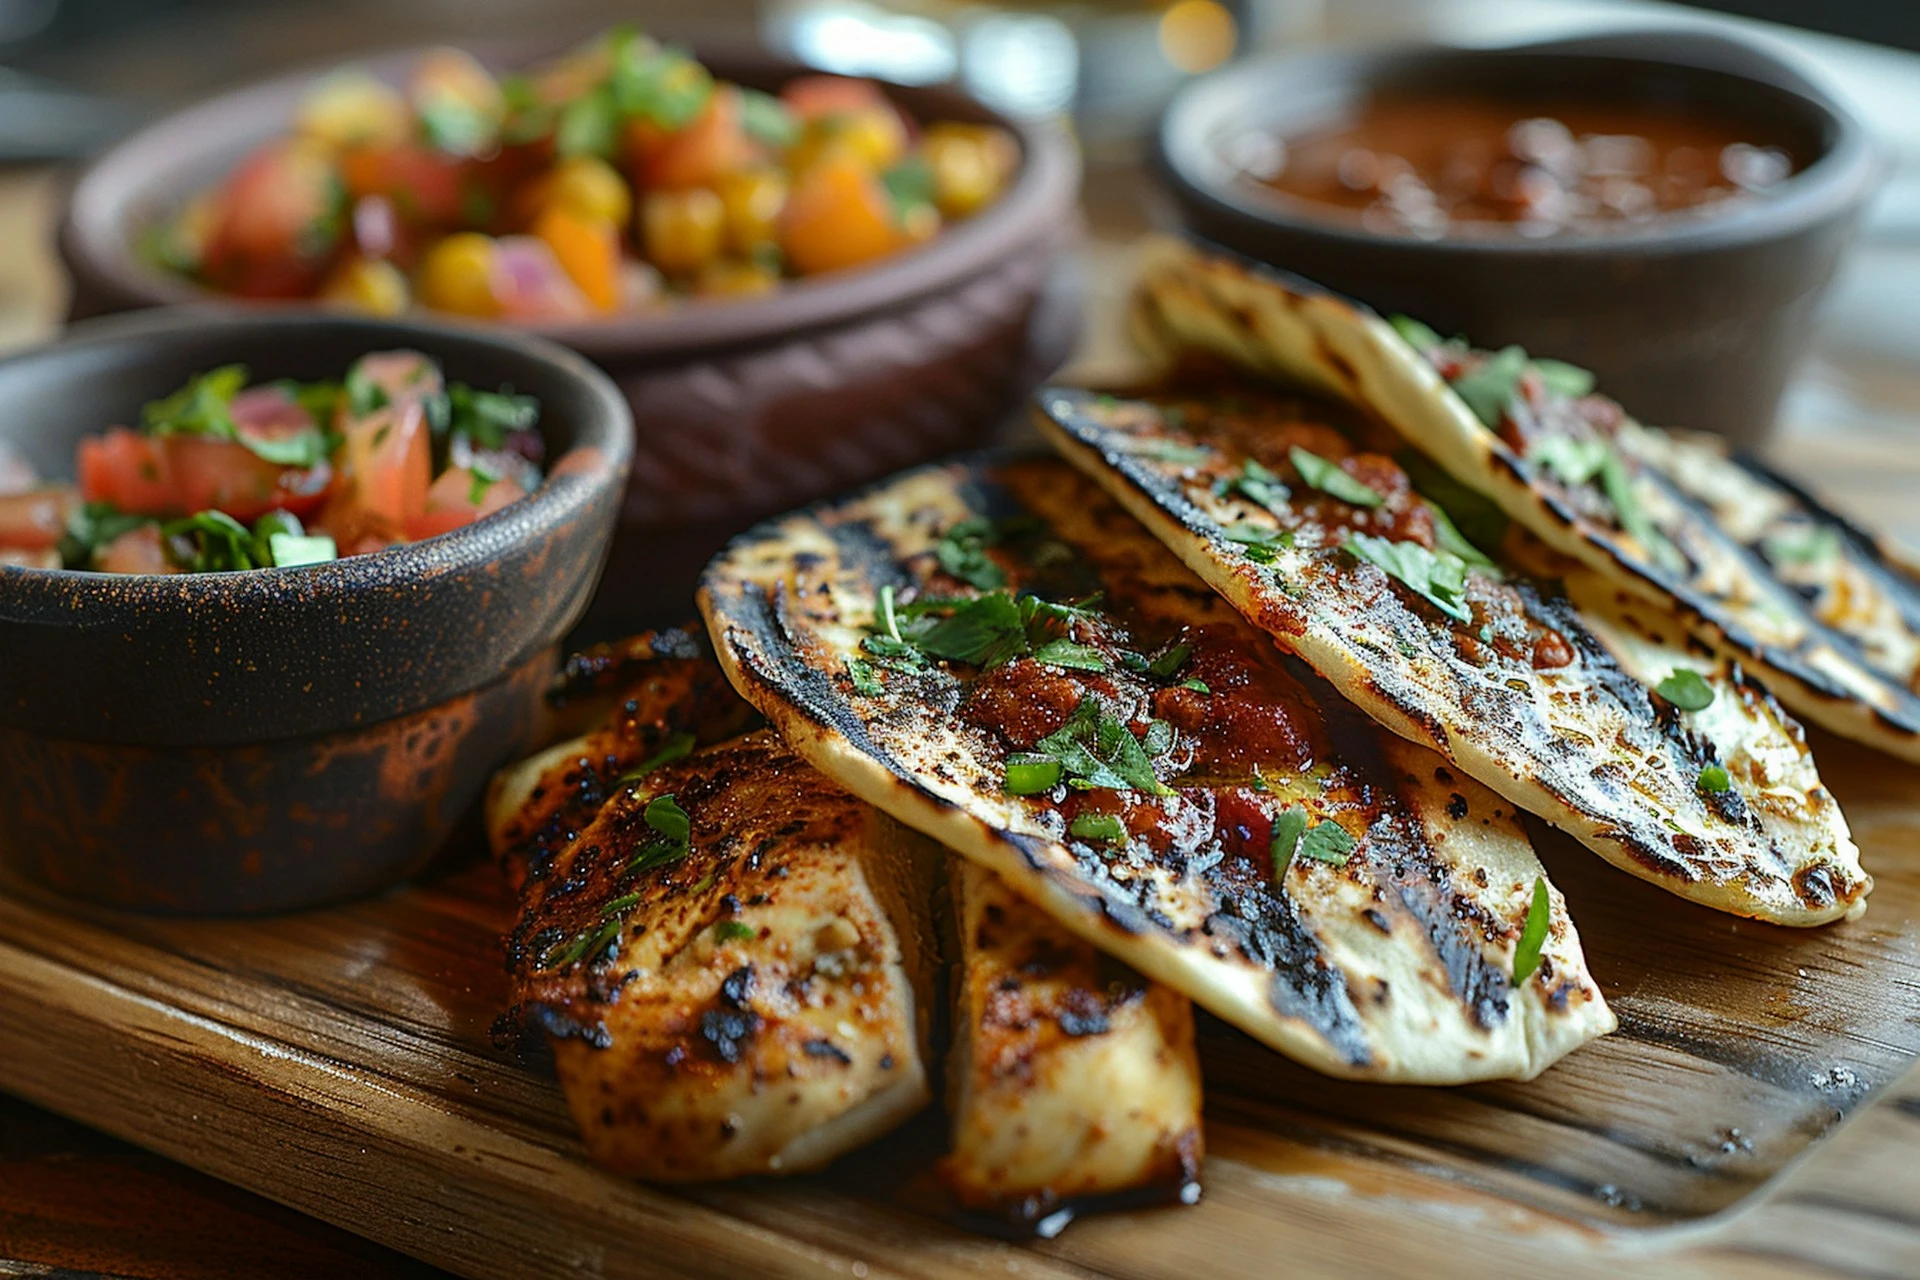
point(341, 1062)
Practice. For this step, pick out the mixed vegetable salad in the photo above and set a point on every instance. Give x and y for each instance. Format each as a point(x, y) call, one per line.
point(613, 180)
point(222, 475)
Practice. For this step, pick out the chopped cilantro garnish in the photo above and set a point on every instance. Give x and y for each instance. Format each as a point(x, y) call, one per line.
point(863, 677)
point(1686, 690)
point(1617, 483)
point(1439, 577)
point(1327, 842)
point(1474, 514)
point(1571, 461)
point(1288, 827)
point(767, 120)
point(1416, 335)
point(1098, 826)
point(909, 184)
point(1563, 379)
point(1095, 750)
point(484, 417)
point(204, 407)
point(218, 542)
point(1714, 778)
point(734, 931)
point(1802, 544)
point(1173, 451)
point(1533, 934)
point(962, 552)
point(1262, 546)
point(1168, 662)
point(1453, 542)
point(1330, 479)
point(1258, 484)
point(1074, 657)
point(1488, 389)
point(678, 746)
point(985, 631)
point(672, 832)
point(1198, 686)
point(589, 125)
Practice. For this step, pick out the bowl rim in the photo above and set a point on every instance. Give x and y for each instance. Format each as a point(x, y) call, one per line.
point(1836, 181)
point(604, 442)
point(107, 196)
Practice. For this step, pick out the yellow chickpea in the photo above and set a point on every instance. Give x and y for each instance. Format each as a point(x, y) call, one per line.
point(371, 285)
point(753, 199)
point(971, 164)
point(876, 138)
point(589, 187)
point(457, 275)
point(353, 109)
point(681, 230)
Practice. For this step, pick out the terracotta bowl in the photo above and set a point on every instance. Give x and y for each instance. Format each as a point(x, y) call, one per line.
point(1694, 323)
point(746, 407)
point(280, 738)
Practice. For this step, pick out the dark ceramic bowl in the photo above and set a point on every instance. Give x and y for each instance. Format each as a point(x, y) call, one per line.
point(748, 407)
point(1692, 323)
point(279, 738)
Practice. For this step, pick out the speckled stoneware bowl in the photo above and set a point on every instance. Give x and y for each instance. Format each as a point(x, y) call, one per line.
point(1687, 322)
point(261, 741)
point(749, 407)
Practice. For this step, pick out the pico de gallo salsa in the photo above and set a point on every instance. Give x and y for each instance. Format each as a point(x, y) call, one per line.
point(616, 179)
point(222, 475)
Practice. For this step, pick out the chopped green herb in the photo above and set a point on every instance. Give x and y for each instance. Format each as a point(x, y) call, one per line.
point(962, 552)
point(1029, 775)
point(1327, 842)
point(1617, 484)
point(589, 125)
point(1330, 479)
point(1074, 657)
point(1168, 662)
point(1453, 542)
point(1489, 389)
point(673, 830)
point(1198, 686)
point(482, 480)
point(1260, 780)
point(1288, 827)
point(1095, 750)
point(1475, 515)
point(1258, 484)
point(1262, 546)
point(1173, 451)
point(1802, 544)
point(1099, 826)
point(1563, 379)
point(213, 542)
point(585, 945)
point(486, 417)
point(204, 407)
point(985, 631)
point(909, 184)
point(734, 931)
point(1437, 576)
point(1714, 778)
point(862, 675)
point(1533, 934)
point(288, 550)
point(1686, 690)
point(678, 746)
point(767, 120)
point(452, 125)
point(661, 85)
point(1414, 334)
point(1573, 462)
point(91, 527)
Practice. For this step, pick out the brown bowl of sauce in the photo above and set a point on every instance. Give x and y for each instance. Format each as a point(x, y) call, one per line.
point(1664, 209)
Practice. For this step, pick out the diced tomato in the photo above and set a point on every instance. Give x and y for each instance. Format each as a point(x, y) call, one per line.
point(277, 220)
point(815, 97)
point(386, 466)
point(425, 187)
point(223, 475)
point(268, 411)
point(450, 503)
point(34, 520)
point(404, 377)
point(713, 146)
point(135, 551)
point(132, 471)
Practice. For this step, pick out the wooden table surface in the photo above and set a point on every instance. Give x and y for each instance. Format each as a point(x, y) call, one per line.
point(74, 1202)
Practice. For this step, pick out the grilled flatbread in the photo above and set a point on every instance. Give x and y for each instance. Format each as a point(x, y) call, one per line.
point(1756, 569)
point(1001, 658)
point(1705, 788)
point(1073, 1081)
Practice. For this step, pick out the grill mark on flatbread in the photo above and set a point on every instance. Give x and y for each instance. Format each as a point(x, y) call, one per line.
point(786, 619)
point(1588, 770)
point(1280, 326)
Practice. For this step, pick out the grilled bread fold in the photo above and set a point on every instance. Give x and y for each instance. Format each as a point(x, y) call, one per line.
point(1073, 1082)
point(1754, 567)
point(1660, 756)
point(1000, 657)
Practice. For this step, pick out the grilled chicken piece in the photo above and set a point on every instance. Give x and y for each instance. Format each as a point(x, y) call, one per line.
point(1072, 1081)
point(652, 695)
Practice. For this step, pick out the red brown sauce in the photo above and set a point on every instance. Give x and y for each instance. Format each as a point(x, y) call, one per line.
point(1433, 167)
